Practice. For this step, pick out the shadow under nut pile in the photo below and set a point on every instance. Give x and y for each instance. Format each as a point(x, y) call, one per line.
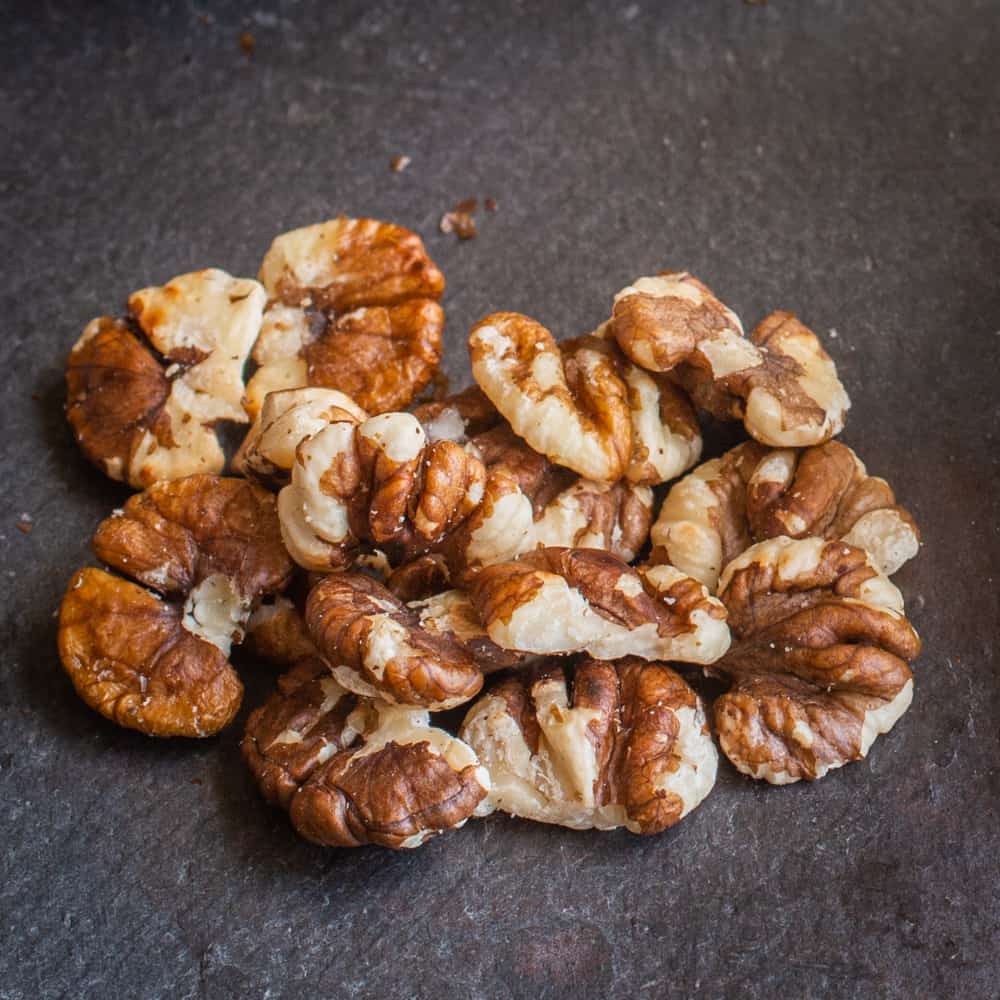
point(541, 550)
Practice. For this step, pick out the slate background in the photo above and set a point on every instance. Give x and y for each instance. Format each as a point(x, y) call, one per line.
point(835, 158)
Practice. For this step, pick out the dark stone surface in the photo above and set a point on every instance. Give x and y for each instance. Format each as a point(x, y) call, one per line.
point(834, 158)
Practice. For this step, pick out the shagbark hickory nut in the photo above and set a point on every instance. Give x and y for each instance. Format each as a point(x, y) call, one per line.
point(141, 420)
point(626, 745)
point(752, 493)
point(401, 783)
point(566, 601)
point(377, 646)
point(819, 664)
point(571, 407)
point(780, 382)
point(353, 307)
point(159, 664)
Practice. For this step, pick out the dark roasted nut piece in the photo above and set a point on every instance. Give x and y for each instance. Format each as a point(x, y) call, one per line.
point(660, 321)
point(569, 405)
point(780, 382)
point(353, 307)
point(420, 578)
point(402, 782)
point(140, 421)
point(212, 547)
point(629, 746)
point(753, 493)
point(819, 659)
point(565, 601)
point(287, 418)
point(376, 646)
point(277, 632)
point(301, 726)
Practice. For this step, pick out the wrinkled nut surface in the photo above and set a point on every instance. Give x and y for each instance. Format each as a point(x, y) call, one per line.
point(752, 493)
point(300, 727)
point(402, 782)
point(141, 421)
point(377, 646)
point(355, 772)
point(451, 613)
point(567, 510)
point(212, 548)
point(780, 382)
point(353, 306)
point(569, 405)
point(377, 482)
point(819, 663)
point(627, 746)
point(666, 435)
point(286, 419)
point(584, 600)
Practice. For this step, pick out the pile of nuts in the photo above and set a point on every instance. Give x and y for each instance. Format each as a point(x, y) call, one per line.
point(513, 549)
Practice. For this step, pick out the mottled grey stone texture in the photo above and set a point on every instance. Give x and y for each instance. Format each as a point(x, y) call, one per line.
point(834, 158)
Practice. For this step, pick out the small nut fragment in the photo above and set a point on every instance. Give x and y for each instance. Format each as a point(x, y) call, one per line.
point(353, 307)
point(142, 422)
point(752, 493)
point(377, 646)
point(566, 601)
point(629, 746)
point(459, 417)
point(780, 382)
point(819, 660)
point(212, 548)
point(571, 406)
point(277, 632)
point(401, 782)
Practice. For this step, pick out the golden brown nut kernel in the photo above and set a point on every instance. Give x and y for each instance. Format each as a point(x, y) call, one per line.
point(567, 601)
point(212, 548)
point(626, 745)
point(142, 421)
point(377, 646)
point(780, 382)
point(401, 783)
point(752, 493)
point(353, 306)
point(570, 405)
point(819, 660)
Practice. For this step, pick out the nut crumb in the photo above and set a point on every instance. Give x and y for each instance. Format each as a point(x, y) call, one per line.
point(248, 43)
point(460, 221)
point(490, 204)
point(25, 527)
point(399, 163)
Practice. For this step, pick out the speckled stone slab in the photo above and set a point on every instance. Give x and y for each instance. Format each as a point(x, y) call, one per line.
point(838, 159)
